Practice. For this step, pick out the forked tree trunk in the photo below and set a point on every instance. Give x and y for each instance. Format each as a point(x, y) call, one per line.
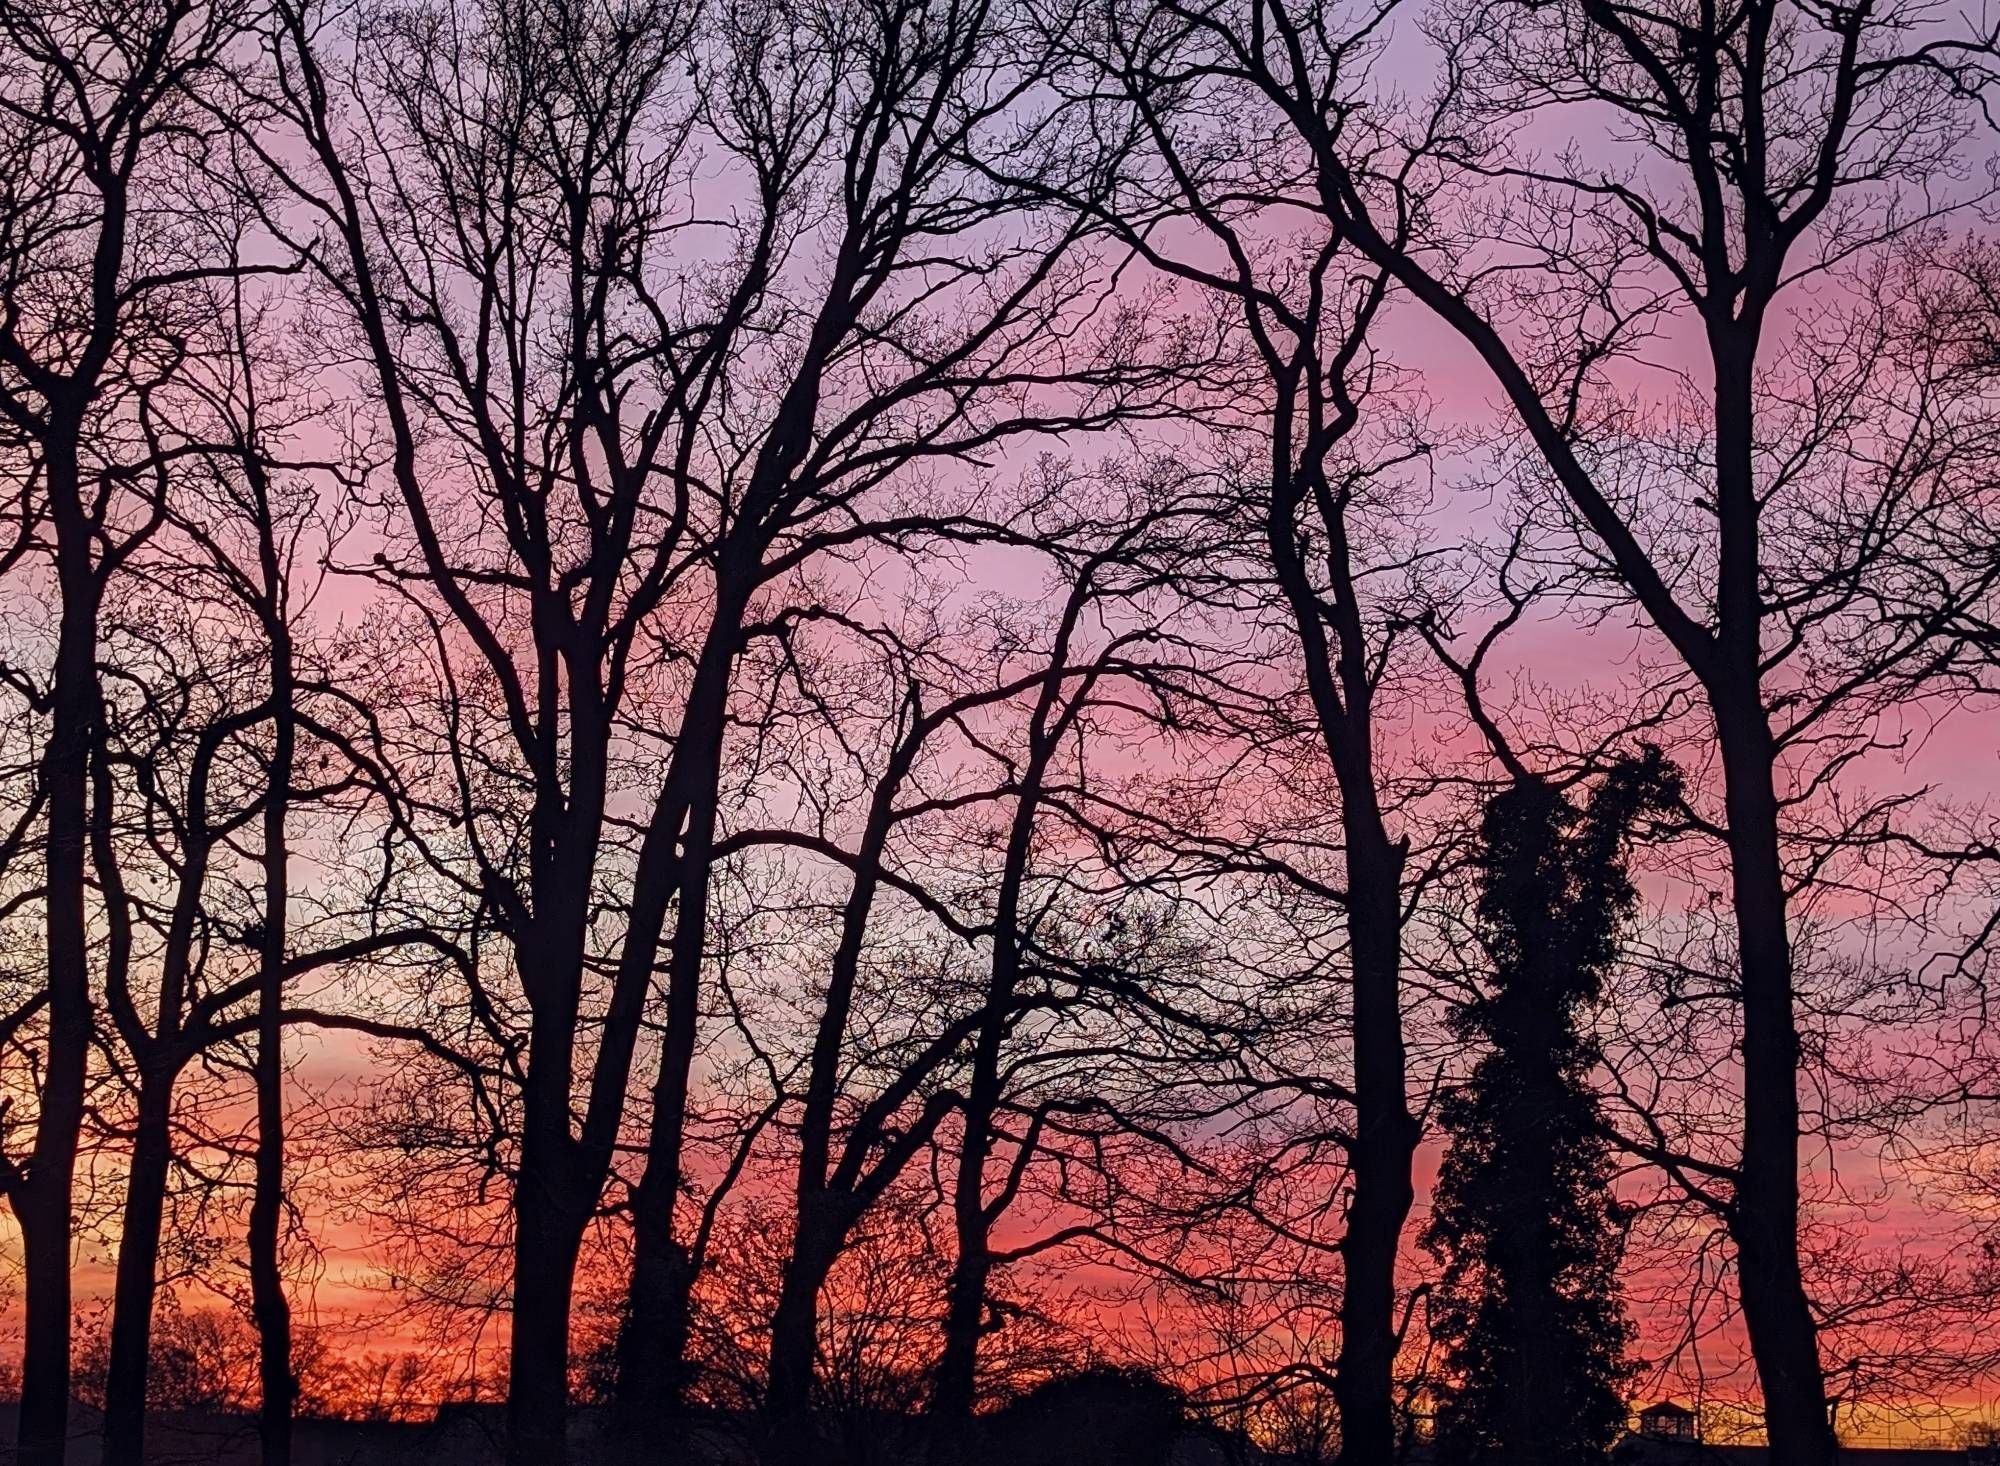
point(957, 1376)
point(653, 1348)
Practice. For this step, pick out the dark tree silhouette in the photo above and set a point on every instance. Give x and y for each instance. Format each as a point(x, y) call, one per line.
point(812, 615)
point(104, 248)
point(652, 496)
point(1327, 438)
point(1524, 1222)
point(1753, 147)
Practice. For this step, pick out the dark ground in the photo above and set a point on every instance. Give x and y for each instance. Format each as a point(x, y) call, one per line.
point(1069, 1424)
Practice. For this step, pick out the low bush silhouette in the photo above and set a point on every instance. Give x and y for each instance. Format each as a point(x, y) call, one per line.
point(1117, 1417)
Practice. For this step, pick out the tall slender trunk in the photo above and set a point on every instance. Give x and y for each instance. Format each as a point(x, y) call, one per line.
point(822, 1211)
point(956, 1380)
point(43, 1204)
point(652, 1349)
point(267, 1284)
point(829, 1199)
point(137, 1275)
point(1763, 1218)
point(972, 1219)
point(1381, 1154)
point(560, 1177)
point(158, 1058)
point(651, 1373)
point(1380, 1160)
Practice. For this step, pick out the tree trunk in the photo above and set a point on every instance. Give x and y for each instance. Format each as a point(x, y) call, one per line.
point(137, 1277)
point(788, 1398)
point(548, 1234)
point(651, 1376)
point(1385, 1137)
point(653, 1344)
point(965, 1317)
point(43, 1205)
point(1764, 1217)
point(267, 1284)
point(44, 1423)
point(965, 1305)
point(957, 1377)
point(549, 1214)
point(1384, 1144)
point(1529, 1432)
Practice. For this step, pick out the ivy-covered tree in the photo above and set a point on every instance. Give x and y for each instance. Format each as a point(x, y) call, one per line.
point(1528, 1310)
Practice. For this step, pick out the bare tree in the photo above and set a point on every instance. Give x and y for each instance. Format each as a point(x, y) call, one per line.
point(859, 1131)
point(610, 486)
point(1750, 146)
point(198, 749)
point(1060, 944)
point(102, 129)
point(1320, 431)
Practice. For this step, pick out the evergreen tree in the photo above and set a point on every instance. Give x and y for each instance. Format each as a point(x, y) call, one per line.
point(1528, 1309)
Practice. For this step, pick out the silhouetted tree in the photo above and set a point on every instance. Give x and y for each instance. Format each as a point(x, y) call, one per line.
point(1523, 1219)
point(1716, 159)
point(102, 250)
point(643, 479)
point(1323, 438)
